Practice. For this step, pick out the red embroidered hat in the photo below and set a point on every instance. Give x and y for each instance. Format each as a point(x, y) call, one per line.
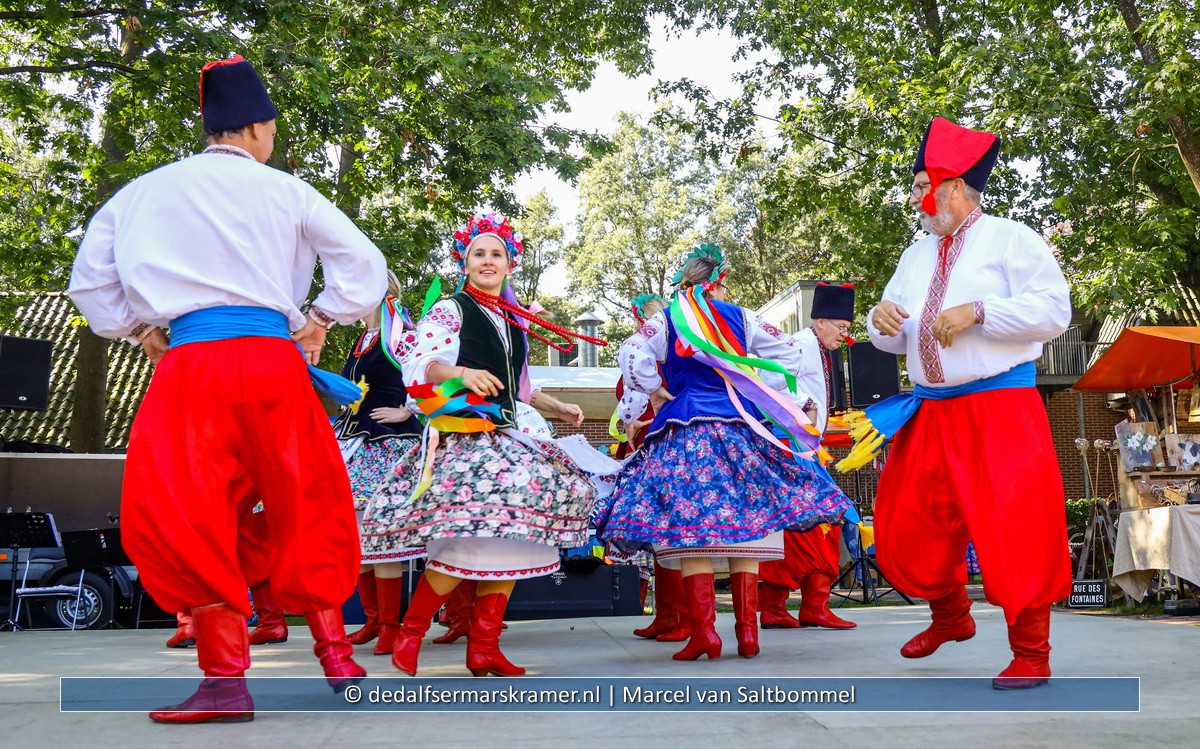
point(948, 151)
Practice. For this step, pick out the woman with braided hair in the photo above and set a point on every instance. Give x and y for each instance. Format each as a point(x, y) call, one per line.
point(711, 482)
point(488, 502)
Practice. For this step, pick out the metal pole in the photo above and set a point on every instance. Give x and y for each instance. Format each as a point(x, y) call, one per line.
point(1087, 484)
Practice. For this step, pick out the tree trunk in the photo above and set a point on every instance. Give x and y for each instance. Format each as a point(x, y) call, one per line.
point(91, 356)
point(87, 414)
point(1185, 138)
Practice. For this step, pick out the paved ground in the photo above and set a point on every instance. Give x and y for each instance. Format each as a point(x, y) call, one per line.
point(1163, 652)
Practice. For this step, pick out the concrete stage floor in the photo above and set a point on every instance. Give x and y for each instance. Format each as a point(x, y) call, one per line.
point(1164, 652)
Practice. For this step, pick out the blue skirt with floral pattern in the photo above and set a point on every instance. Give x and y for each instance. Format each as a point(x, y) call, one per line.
point(712, 483)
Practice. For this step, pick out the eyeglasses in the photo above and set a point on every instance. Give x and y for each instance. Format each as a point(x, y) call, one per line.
point(919, 189)
point(842, 328)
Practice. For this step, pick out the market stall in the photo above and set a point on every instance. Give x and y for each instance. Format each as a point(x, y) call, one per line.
point(1159, 468)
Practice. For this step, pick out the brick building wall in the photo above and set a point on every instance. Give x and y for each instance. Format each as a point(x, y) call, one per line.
point(594, 431)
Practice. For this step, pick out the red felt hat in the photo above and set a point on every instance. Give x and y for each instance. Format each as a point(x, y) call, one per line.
point(948, 151)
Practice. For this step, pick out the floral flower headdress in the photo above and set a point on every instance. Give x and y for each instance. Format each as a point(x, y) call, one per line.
point(638, 305)
point(491, 223)
point(710, 252)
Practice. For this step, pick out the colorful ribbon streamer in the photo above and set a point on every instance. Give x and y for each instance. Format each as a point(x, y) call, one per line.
point(705, 334)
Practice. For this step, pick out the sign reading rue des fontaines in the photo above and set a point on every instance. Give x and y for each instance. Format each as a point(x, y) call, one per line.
point(1085, 593)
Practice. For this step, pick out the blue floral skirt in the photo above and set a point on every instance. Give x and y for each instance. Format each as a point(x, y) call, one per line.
point(709, 484)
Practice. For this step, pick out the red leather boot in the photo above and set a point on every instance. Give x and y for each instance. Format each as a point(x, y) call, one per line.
point(1029, 639)
point(702, 613)
point(951, 621)
point(745, 612)
point(668, 613)
point(814, 606)
point(272, 626)
point(223, 653)
point(333, 649)
point(185, 632)
point(483, 641)
point(424, 604)
point(366, 594)
point(772, 602)
point(458, 612)
point(387, 590)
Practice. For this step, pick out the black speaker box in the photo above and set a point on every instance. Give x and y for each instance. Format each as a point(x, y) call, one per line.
point(25, 373)
point(609, 590)
point(874, 375)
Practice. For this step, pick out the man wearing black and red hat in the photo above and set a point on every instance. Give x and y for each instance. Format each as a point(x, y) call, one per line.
point(811, 559)
point(971, 305)
point(221, 249)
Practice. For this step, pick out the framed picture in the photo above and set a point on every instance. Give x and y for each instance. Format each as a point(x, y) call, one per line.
point(1183, 451)
point(1138, 445)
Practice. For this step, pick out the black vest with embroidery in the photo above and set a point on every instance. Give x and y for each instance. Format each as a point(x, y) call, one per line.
point(480, 347)
point(385, 389)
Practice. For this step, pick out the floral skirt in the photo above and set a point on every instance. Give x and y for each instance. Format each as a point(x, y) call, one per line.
point(712, 485)
point(369, 465)
point(485, 485)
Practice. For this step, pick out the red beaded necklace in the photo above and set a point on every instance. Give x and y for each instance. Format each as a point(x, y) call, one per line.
point(500, 305)
point(359, 349)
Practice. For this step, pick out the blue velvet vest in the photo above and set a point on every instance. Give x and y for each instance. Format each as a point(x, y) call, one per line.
point(699, 391)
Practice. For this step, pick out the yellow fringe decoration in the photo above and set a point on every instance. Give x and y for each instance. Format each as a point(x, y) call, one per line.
point(867, 442)
point(362, 384)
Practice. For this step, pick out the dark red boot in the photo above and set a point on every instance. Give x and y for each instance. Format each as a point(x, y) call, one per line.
point(458, 612)
point(333, 649)
point(951, 621)
point(702, 613)
point(424, 604)
point(272, 625)
point(1029, 639)
point(668, 614)
point(185, 632)
point(814, 606)
point(223, 653)
point(745, 612)
point(387, 591)
point(366, 594)
point(772, 602)
point(483, 642)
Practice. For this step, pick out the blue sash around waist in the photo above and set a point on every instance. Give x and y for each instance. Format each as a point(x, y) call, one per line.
point(879, 423)
point(224, 323)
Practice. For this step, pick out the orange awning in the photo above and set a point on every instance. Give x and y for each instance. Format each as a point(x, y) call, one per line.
point(1143, 357)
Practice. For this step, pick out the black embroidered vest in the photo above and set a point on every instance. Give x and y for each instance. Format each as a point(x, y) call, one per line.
point(480, 347)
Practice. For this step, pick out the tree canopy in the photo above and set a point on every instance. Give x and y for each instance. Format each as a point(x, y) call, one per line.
point(1095, 101)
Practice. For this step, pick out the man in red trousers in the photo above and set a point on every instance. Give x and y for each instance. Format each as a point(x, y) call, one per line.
point(221, 249)
point(971, 304)
point(812, 558)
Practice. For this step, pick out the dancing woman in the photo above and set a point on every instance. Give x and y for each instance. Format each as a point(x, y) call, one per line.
point(488, 502)
point(711, 482)
point(374, 432)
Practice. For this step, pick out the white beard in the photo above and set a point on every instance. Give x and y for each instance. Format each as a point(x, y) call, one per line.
point(942, 224)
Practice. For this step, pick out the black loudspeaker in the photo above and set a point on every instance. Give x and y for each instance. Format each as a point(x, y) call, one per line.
point(837, 381)
point(874, 375)
point(25, 373)
point(609, 590)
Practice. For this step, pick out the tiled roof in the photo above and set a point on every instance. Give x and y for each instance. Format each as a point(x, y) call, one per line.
point(52, 317)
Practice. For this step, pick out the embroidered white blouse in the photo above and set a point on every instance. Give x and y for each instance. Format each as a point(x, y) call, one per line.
point(214, 230)
point(437, 341)
point(640, 355)
point(1003, 264)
